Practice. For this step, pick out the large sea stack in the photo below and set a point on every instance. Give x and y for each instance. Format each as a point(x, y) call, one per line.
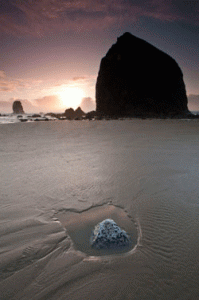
point(137, 79)
point(17, 107)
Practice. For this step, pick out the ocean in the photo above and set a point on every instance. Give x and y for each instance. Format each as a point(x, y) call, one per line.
point(60, 178)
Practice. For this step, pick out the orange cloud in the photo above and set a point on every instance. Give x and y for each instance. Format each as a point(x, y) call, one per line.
point(5, 106)
point(2, 74)
point(49, 103)
point(79, 78)
point(6, 84)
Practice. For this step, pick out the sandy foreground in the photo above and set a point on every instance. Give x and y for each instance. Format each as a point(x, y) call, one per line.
point(59, 179)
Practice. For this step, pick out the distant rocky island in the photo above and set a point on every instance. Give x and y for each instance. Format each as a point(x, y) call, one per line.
point(17, 107)
point(136, 79)
point(69, 114)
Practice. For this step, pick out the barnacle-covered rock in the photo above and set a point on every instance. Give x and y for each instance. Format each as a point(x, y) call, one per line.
point(108, 235)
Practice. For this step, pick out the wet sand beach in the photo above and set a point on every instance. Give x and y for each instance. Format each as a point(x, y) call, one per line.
point(59, 179)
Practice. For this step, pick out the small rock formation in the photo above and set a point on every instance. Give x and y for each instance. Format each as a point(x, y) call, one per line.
point(91, 115)
point(17, 107)
point(108, 235)
point(137, 79)
point(70, 113)
point(79, 113)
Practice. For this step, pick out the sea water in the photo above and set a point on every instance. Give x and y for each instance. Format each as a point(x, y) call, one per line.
point(146, 168)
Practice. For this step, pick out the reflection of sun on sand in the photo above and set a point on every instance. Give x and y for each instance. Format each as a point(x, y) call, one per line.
point(71, 96)
point(80, 225)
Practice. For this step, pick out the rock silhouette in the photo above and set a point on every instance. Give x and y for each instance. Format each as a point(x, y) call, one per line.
point(70, 113)
point(137, 79)
point(17, 107)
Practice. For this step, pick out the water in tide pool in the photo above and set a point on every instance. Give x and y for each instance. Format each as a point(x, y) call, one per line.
point(59, 179)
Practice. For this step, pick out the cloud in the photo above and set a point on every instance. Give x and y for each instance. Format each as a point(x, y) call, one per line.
point(9, 85)
point(47, 15)
point(2, 74)
point(185, 10)
point(5, 106)
point(35, 18)
point(6, 84)
point(27, 105)
point(49, 103)
point(87, 104)
point(193, 102)
point(79, 78)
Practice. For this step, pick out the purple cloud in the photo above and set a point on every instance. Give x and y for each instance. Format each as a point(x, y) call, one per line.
point(35, 18)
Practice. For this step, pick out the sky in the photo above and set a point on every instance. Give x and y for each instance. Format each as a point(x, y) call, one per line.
point(50, 50)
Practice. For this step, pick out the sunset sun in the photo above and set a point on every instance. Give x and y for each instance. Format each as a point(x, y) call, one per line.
point(71, 96)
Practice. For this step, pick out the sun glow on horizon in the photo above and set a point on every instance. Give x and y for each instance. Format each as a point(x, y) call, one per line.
point(71, 96)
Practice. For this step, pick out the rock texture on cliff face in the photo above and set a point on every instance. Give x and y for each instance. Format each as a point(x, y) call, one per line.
point(17, 107)
point(136, 78)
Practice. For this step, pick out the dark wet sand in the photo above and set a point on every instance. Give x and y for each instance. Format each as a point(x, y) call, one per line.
point(58, 178)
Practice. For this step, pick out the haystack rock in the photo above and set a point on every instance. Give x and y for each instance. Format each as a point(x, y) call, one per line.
point(137, 79)
point(108, 235)
point(17, 107)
